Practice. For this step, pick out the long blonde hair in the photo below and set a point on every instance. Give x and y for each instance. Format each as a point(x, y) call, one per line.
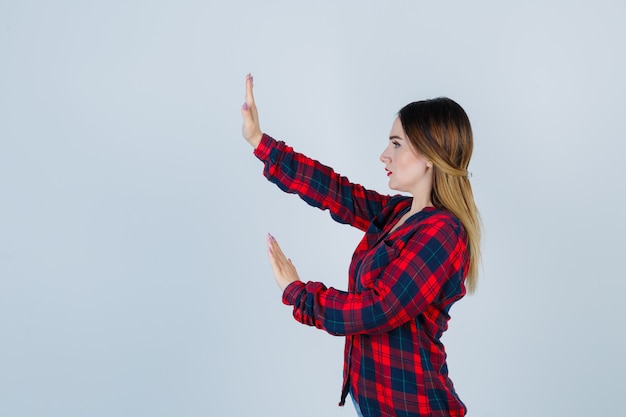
point(441, 131)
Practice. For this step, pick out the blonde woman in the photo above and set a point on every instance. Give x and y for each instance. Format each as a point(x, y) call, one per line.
point(416, 258)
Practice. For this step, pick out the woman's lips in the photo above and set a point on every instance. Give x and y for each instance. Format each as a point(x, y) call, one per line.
point(388, 172)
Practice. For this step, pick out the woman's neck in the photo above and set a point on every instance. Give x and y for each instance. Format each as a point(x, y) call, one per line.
point(418, 204)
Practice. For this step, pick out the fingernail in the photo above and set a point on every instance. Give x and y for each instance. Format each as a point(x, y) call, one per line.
point(245, 106)
point(251, 78)
point(269, 235)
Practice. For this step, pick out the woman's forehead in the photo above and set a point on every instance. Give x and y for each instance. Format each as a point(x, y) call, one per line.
point(397, 129)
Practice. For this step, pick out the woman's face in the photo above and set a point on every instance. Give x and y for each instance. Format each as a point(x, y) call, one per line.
point(407, 169)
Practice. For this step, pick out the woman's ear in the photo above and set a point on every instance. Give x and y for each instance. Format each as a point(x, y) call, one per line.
point(429, 164)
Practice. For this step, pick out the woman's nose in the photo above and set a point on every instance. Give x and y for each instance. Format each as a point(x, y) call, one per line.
point(384, 158)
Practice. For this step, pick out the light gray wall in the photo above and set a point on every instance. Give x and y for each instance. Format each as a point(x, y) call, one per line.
point(133, 273)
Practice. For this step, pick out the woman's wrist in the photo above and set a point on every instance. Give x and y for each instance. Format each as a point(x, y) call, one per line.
point(255, 139)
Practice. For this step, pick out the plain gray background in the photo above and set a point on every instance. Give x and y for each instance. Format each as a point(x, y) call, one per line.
point(133, 274)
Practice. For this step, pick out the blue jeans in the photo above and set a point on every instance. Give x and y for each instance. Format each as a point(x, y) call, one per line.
point(358, 409)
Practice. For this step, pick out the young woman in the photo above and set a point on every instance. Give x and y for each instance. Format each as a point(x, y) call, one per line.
point(415, 260)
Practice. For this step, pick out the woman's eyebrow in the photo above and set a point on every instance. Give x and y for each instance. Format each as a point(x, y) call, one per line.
point(395, 137)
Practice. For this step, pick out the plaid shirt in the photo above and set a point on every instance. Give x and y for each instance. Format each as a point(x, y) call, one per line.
point(400, 289)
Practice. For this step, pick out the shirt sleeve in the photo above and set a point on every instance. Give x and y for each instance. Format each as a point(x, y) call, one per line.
point(402, 290)
point(318, 185)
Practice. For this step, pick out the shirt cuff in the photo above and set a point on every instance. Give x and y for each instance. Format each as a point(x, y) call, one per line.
point(292, 292)
point(263, 149)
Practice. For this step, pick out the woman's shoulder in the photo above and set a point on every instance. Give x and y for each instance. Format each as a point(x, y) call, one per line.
point(428, 215)
point(442, 219)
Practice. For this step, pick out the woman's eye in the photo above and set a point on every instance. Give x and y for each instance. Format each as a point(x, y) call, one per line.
point(395, 144)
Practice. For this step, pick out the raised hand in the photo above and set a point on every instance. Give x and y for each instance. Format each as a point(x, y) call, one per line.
point(251, 129)
point(284, 271)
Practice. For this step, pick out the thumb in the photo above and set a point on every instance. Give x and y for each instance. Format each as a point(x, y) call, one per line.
point(245, 112)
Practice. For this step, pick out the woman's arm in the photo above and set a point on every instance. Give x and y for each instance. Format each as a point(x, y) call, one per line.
point(315, 183)
point(431, 266)
point(319, 185)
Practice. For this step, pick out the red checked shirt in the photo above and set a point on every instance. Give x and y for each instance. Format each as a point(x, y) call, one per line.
point(400, 289)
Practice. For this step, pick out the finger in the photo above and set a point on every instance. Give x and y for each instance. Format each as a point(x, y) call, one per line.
point(272, 259)
point(247, 128)
point(250, 97)
point(245, 113)
point(282, 267)
point(279, 268)
point(274, 253)
point(249, 92)
point(277, 249)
